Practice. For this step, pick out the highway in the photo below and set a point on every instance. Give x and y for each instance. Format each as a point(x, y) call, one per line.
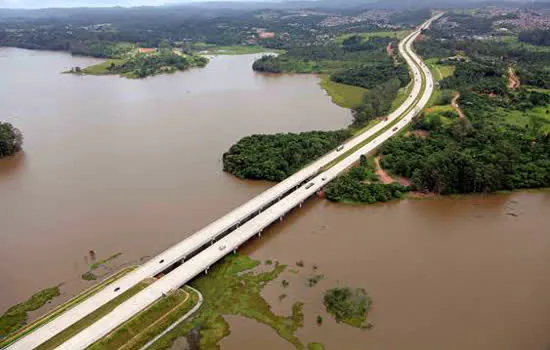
point(236, 227)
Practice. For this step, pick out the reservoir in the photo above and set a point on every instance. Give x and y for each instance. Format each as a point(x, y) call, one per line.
point(134, 166)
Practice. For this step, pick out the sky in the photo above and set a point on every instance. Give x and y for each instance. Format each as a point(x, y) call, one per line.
point(92, 3)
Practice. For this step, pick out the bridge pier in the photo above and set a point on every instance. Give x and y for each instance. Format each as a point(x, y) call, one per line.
point(301, 203)
point(281, 219)
point(206, 271)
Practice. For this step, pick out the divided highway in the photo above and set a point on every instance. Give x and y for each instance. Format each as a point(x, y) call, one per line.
point(204, 248)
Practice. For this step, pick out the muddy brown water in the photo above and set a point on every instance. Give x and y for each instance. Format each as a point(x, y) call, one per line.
point(117, 165)
point(132, 166)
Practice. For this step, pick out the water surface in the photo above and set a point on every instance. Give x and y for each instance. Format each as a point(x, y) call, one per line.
point(132, 166)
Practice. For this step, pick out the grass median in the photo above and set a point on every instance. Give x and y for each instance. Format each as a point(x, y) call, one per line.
point(390, 125)
point(68, 333)
point(150, 322)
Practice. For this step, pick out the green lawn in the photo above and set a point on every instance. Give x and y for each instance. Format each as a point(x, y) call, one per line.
point(68, 333)
point(346, 96)
point(150, 322)
point(102, 68)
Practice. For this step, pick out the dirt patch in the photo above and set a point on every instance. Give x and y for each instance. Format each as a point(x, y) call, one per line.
point(382, 174)
point(513, 80)
point(385, 178)
point(418, 133)
point(389, 50)
point(455, 105)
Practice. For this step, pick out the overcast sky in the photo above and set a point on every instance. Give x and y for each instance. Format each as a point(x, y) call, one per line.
point(94, 3)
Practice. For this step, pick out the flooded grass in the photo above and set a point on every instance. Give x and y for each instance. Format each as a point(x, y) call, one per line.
point(230, 288)
point(17, 315)
point(63, 307)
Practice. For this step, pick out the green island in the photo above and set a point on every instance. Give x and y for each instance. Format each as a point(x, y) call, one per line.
point(11, 140)
point(348, 306)
point(141, 63)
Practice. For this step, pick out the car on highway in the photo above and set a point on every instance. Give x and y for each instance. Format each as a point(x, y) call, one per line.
point(340, 148)
point(309, 185)
point(394, 129)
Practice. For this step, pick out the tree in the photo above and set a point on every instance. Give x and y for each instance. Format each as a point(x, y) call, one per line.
point(11, 139)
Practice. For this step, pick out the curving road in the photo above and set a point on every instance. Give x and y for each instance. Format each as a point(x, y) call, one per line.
point(252, 217)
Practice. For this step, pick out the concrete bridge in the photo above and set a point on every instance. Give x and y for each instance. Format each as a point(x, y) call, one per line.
point(196, 254)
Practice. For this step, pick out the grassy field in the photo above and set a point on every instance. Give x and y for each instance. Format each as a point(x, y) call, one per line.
point(446, 114)
point(62, 308)
point(538, 118)
point(346, 96)
point(399, 34)
point(152, 321)
point(102, 68)
point(68, 333)
point(440, 71)
point(231, 288)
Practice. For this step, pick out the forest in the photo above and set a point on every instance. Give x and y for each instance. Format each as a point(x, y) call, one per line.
point(361, 185)
point(11, 140)
point(536, 37)
point(275, 157)
point(482, 153)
